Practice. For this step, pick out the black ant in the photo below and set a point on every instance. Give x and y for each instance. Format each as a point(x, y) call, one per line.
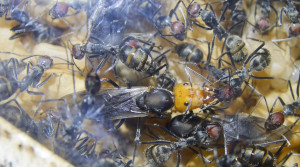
point(188, 130)
point(263, 24)
point(293, 15)
point(276, 119)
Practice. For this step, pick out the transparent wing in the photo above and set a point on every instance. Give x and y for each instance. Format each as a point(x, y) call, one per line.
point(249, 129)
point(113, 104)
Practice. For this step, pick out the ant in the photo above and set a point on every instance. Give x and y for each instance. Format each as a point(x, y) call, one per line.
point(61, 9)
point(242, 154)
point(237, 16)
point(177, 28)
point(210, 19)
point(263, 24)
point(41, 32)
point(188, 130)
point(130, 52)
point(230, 84)
point(293, 15)
point(276, 119)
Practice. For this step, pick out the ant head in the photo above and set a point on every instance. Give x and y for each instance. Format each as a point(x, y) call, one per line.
point(274, 121)
point(178, 29)
point(263, 24)
point(45, 61)
point(294, 29)
point(77, 53)
point(194, 9)
point(60, 9)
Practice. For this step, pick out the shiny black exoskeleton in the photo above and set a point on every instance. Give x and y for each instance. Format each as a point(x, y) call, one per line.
point(156, 100)
point(188, 130)
point(184, 125)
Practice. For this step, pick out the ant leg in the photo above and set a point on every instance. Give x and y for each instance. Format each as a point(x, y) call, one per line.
point(235, 25)
point(167, 79)
point(275, 101)
point(276, 17)
point(152, 135)
point(151, 44)
point(137, 139)
point(110, 81)
point(205, 28)
point(255, 10)
point(282, 40)
point(211, 8)
point(284, 160)
point(222, 18)
point(204, 160)
point(280, 16)
point(230, 57)
point(18, 104)
point(166, 130)
point(116, 60)
point(256, 77)
point(175, 8)
point(101, 64)
point(12, 60)
point(40, 103)
point(17, 35)
point(291, 89)
point(178, 159)
point(65, 107)
point(46, 80)
point(119, 124)
point(187, 69)
point(164, 37)
point(280, 149)
point(68, 24)
point(255, 51)
point(260, 95)
point(155, 72)
point(212, 49)
point(156, 142)
point(298, 84)
point(162, 56)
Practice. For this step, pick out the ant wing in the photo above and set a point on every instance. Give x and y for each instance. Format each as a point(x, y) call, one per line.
point(249, 129)
point(117, 104)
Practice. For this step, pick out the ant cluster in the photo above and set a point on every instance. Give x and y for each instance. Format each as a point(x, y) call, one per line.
point(152, 82)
